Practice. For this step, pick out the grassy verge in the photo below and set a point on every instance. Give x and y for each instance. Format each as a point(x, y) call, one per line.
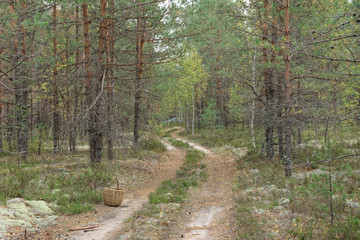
point(68, 180)
point(178, 143)
point(165, 202)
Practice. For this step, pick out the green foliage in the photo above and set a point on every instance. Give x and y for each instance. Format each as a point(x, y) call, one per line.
point(208, 118)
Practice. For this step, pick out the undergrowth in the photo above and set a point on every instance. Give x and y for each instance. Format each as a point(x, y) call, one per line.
point(68, 180)
point(306, 214)
point(73, 189)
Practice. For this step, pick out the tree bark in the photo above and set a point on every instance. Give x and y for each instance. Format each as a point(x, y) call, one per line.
point(92, 124)
point(21, 86)
point(56, 120)
point(287, 78)
point(110, 81)
point(73, 132)
point(269, 93)
point(253, 102)
point(218, 81)
point(138, 77)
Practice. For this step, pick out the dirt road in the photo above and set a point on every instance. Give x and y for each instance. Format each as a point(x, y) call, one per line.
point(209, 210)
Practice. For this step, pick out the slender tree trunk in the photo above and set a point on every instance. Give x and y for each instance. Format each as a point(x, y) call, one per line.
point(31, 113)
point(279, 92)
point(89, 87)
point(218, 83)
point(138, 77)
point(69, 104)
point(288, 169)
point(193, 115)
point(21, 87)
point(39, 123)
point(96, 138)
point(253, 102)
point(110, 81)
point(269, 104)
point(280, 122)
point(187, 118)
point(299, 140)
point(74, 129)
point(56, 122)
point(10, 127)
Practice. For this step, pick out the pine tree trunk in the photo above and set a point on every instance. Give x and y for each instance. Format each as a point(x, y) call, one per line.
point(96, 138)
point(20, 85)
point(73, 132)
point(218, 84)
point(89, 88)
point(56, 122)
point(269, 95)
point(138, 78)
point(253, 102)
point(287, 91)
point(110, 81)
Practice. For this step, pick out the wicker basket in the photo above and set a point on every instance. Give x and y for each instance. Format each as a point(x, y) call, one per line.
point(113, 196)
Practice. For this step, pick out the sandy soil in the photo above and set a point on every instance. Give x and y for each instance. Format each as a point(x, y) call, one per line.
point(208, 212)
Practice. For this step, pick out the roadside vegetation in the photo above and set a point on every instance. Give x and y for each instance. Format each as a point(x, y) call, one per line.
point(67, 180)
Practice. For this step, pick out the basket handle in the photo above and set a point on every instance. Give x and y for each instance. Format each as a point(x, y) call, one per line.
point(117, 182)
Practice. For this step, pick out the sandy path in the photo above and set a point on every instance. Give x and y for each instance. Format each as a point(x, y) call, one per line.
point(208, 212)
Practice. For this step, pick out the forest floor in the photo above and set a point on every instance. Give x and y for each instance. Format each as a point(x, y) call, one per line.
point(109, 219)
point(208, 212)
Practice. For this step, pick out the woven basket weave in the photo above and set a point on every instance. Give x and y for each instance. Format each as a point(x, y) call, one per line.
point(113, 196)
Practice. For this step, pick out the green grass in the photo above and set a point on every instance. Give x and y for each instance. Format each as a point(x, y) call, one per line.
point(188, 176)
point(178, 143)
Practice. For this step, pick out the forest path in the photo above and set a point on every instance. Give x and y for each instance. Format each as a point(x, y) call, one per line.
point(209, 210)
